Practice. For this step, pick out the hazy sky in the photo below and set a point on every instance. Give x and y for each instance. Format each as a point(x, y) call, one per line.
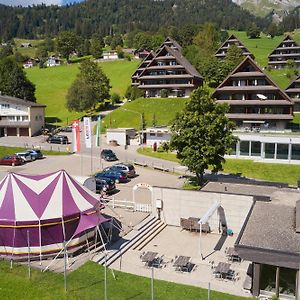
point(30, 2)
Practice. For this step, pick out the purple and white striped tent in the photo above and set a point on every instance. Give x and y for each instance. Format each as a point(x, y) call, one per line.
point(48, 210)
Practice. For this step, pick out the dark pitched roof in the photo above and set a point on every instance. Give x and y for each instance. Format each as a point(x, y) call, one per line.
point(288, 37)
point(293, 83)
point(172, 41)
point(248, 60)
point(19, 101)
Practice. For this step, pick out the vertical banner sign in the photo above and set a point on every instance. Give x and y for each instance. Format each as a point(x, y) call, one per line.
point(87, 132)
point(98, 132)
point(76, 135)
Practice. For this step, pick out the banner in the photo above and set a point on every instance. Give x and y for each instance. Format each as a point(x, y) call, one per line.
point(98, 132)
point(87, 132)
point(76, 135)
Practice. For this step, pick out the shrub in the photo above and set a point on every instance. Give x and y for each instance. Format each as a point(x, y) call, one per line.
point(115, 98)
point(164, 93)
point(133, 93)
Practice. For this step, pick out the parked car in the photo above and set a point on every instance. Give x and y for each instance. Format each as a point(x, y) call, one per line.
point(105, 184)
point(25, 156)
point(117, 176)
point(11, 160)
point(128, 169)
point(35, 153)
point(66, 129)
point(108, 155)
point(58, 139)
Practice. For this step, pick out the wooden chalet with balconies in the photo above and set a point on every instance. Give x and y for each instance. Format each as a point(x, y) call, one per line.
point(293, 91)
point(256, 102)
point(287, 50)
point(232, 40)
point(168, 70)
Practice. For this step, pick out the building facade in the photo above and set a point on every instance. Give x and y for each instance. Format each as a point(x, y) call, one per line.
point(168, 74)
point(141, 68)
point(287, 51)
point(293, 91)
point(20, 118)
point(256, 102)
point(232, 40)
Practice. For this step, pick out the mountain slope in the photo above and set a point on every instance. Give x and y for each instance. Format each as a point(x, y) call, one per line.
point(263, 7)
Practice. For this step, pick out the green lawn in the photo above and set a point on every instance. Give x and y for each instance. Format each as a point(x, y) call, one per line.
point(87, 283)
point(11, 150)
point(52, 85)
point(296, 118)
point(129, 115)
point(248, 168)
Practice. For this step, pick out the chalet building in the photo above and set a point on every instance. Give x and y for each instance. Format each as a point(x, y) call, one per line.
point(20, 117)
point(141, 68)
point(256, 102)
point(167, 70)
point(293, 91)
point(232, 40)
point(270, 239)
point(287, 50)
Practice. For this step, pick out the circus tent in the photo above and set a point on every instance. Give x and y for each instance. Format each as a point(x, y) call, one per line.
point(39, 213)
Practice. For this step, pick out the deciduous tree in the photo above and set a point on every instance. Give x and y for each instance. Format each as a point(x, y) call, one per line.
point(202, 134)
point(66, 43)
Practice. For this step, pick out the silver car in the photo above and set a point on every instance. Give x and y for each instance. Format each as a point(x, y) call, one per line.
point(25, 156)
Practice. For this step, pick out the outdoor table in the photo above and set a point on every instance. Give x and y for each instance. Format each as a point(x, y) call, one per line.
point(181, 263)
point(222, 269)
point(148, 257)
point(232, 254)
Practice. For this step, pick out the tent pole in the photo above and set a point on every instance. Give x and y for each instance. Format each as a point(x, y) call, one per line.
point(28, 244)
point(65, 254)
point(40, 238)
point(200, 238)
point(13, 247)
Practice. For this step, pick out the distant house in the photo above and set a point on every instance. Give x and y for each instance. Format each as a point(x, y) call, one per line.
point(141, 54)
point(287, 50)
point(53, 61)
point(26, 45)
point(157, 135)
point(29, 63)
point(109, 55)
point(232, 40)
point(19, 117)
point(169, 71)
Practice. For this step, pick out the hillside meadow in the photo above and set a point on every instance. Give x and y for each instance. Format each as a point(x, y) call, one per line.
point(52, 85)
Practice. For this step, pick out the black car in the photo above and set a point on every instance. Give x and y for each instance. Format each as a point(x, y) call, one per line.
point(117, 176)
point(108, 155)
point(58, 139)
point(105, 184)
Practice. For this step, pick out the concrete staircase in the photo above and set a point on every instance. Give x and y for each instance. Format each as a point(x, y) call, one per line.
point(138, 238)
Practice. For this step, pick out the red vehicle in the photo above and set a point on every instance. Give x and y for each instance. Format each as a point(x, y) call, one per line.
point(11, 160)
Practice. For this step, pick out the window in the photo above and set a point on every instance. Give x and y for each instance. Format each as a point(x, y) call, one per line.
point(4, 105)
point(160, 134)
point(244, 148)
point(152, 133)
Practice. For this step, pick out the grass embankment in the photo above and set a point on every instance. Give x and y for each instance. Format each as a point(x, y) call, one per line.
point(88, 283)
point(52, 85)
point(129, 115)
point(243, 167)
point(11, 150)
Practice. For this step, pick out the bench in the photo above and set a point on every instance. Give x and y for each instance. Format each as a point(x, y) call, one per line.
point(140, 164)
point(160, 168)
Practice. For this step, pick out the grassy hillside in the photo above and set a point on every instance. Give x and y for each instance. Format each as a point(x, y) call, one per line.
point(52, 85)
point(129, 115)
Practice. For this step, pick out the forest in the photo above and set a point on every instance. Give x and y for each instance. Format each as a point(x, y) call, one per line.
point(108, 17)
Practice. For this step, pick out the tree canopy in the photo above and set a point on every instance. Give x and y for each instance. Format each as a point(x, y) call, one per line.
point(66, 43)
point(13, 81)
point(202, 134)
point(89, 88)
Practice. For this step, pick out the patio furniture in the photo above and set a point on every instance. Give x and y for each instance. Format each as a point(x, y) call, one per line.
point(233, 255)
point(182, 263)
point(192, 224)
point(222, 270)
point(148, 258)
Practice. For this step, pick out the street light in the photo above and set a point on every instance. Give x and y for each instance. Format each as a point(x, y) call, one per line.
point(142, 130)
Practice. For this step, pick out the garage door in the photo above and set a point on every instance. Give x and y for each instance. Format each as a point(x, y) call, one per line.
point(24, 132)
point(11, 131)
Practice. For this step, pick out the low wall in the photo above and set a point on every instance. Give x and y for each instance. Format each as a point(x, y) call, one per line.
point(183, 204)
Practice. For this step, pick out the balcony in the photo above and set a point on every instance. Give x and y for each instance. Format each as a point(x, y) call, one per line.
point(256, 102)
point(165, 86)
point(243, 116)
point(20, 124)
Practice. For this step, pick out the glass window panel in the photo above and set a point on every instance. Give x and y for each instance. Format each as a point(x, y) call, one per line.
point(296, 152)
point(244, 148)
point(255, 148)
point(269, 150)
point(287, 281)
point(268, 278)
point(282, 151)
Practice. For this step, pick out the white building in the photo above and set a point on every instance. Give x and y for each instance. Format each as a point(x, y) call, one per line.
point(53, 62)
point(121, 135)
point(110, 55)
point(20, 117)
point(157, 135)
